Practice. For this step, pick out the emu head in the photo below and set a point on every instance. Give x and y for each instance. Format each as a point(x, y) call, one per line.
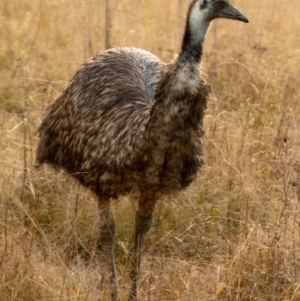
point(213, 9)
point(200, 15)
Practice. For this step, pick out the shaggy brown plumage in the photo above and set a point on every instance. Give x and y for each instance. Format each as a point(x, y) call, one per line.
point(128, 121)
point(107, 130)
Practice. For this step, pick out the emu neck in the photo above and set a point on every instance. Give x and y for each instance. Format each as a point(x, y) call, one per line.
point(196, 29)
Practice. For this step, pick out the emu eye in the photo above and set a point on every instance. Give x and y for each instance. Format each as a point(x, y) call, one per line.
point(219, 5)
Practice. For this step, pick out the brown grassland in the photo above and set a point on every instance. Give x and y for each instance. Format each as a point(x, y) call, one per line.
point(233, 235)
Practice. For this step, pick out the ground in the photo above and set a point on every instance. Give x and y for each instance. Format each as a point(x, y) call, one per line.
point(232, 235)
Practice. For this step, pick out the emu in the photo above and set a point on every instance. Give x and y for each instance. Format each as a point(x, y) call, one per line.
point(127, 121)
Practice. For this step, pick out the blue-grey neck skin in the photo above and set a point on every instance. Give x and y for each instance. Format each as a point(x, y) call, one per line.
point(196, 28)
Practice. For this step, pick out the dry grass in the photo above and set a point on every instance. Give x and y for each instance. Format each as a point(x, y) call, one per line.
point(233, 235)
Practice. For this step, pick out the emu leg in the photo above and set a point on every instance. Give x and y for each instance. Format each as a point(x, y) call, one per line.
point(142, 225)
point(107, 234)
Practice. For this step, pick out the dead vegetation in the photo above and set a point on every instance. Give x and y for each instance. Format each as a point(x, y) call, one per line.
point(233, 235)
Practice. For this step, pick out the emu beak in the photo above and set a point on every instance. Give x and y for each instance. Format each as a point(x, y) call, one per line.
point(230, 12)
